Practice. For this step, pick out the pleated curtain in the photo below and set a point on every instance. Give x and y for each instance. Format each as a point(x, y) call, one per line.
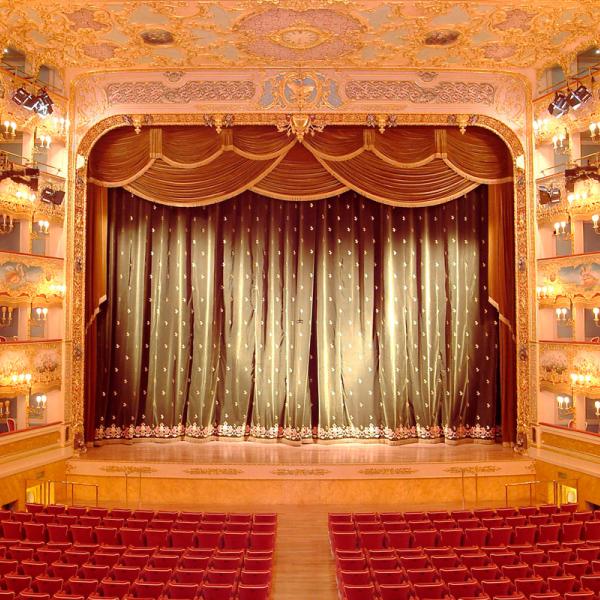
point(340, 318)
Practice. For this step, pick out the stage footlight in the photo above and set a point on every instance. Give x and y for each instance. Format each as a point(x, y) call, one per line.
point(579, 97)
point(559, 106)
point(548, 195)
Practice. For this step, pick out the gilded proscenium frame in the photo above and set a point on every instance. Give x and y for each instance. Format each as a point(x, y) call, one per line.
point(76, 242)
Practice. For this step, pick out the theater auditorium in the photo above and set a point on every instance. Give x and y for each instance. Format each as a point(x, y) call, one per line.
point(299, 299)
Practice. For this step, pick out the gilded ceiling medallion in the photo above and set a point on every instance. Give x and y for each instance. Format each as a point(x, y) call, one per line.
point(284, 34)
point(441, 37)
point(300, 37)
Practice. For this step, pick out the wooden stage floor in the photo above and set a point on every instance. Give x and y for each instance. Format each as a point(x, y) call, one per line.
point(264, 453)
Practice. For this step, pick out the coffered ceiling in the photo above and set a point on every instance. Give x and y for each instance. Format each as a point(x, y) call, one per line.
point(107, 34)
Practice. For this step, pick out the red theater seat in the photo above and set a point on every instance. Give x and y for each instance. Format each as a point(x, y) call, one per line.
point(431, 590)
point(464, 589)
point(216, 592)
point(389, 577)
point(183, 591)
point(357, 592)
point(252, 592)
point(399, 539)
point(355, 577)
point(34, 567)
point(146, 589)
point(402, 591)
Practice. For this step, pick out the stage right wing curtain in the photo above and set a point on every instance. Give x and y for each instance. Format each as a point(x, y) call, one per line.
point(341, 318)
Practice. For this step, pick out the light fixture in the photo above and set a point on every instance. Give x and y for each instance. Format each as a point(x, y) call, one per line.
point(560, 141)
point(20, 378)
point(562, 315)
point(42, 141)
point(578, 97)
point(61, 125)
point(5, 410)
point(9, 129)
point(596, 224)
point(7, 224)
point(545, 291)
point(560, 229)
point(52, 196)
point(580, 380)
point(596, 312)
point(43, 227)
point(41, 104)
point(58, 288)
point(6, 313)
point(548, 194)
point(597, 407)
point(563, 402)
point(40, 314)
point(22, 196)
point(576, 197)
point(559, 106)
point(540, 126)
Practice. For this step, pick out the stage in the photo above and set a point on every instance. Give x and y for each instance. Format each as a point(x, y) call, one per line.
point(319, 474)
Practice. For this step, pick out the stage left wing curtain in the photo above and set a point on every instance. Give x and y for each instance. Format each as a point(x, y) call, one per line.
point(331, 319)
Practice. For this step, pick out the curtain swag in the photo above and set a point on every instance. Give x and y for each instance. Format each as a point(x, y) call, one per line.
point(404, 166)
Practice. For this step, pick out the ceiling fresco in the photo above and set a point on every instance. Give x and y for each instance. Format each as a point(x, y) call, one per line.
point(126, 34)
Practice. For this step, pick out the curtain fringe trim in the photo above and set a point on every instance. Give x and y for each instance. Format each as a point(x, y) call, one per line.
point(295, 434)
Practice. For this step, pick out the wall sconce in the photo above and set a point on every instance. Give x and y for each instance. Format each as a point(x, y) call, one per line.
point(38, 410)
point(560, 229)
point(6, 315)
point(545, 291)
point(7, 224)
point(596, 224)
point(563, 316)
point(43, 227)
point(42, 141)
point(564, 403)
point(9, 130)
point(540, 126)
point(595, 131)
point(560, 142)
point(61, 125)
point(596, 312)
point(40, 314)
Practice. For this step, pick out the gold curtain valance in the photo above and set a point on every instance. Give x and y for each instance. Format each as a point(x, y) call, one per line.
point(195, 165)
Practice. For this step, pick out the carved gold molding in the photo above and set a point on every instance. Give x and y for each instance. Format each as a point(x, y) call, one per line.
point(42, 359)
point(76, 241)
point(570, 444)
point(29, 444)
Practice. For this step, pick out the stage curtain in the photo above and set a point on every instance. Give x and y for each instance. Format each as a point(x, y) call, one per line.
point(501, 280)
point(403, 166)
point(95, 292)
point(330, 319)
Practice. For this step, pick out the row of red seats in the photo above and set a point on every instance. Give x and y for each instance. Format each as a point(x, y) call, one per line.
point(52, 559)
point(480, 513)
point(574, 534)
point(144, 514)
point(54, 535)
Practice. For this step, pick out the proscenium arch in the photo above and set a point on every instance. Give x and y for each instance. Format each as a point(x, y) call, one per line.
point(74, 371)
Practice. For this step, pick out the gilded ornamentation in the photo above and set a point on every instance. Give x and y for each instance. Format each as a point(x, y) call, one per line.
point(42, 359)
point(299, 472)
point(476, 470)
point(447, 92)
point(40, 443)
point(313, 34)
point(156, 92)
point(309, 89)
point(387, 471)
point(73, 34)
point(128, 469)
point(213, 471)
point(559, 360)
point(30, 276)
point(570, 444)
